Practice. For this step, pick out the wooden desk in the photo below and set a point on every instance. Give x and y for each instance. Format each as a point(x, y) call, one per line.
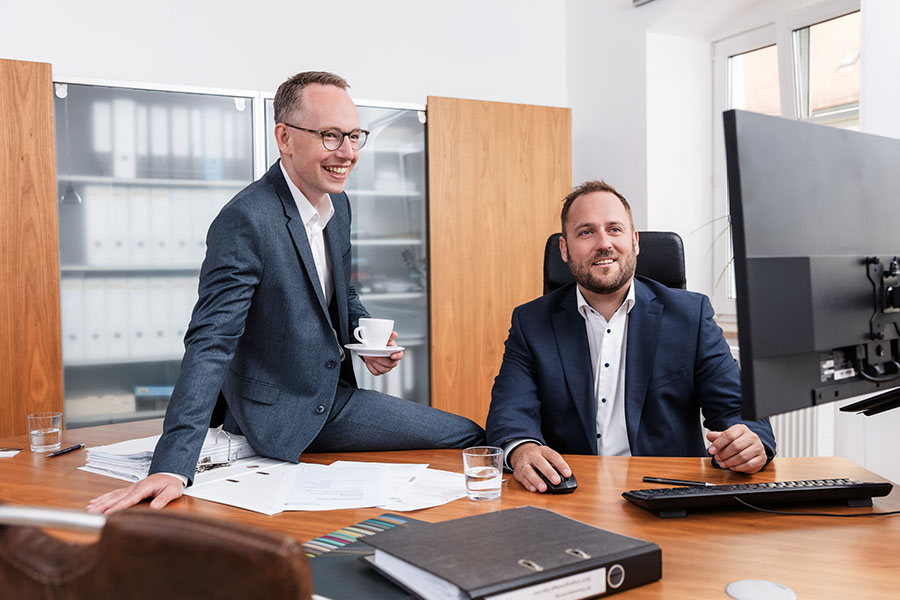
point(818, 557)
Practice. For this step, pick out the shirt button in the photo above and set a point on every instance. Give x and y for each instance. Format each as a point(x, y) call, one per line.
point(606, 365)
point(320, 409)
point(609, 331)
point(331, 364)
point(603, 400)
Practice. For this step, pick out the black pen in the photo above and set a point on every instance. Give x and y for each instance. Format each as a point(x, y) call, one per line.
point(64, 450)
point(677, 481)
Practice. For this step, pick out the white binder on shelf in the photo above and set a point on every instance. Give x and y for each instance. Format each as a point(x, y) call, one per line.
point(139, 317)
point(228, 142)
point(118, 243)
point(117, 317)
point(213, 166)
point(96, 346)
point(96, 200)
point(200, 220)
point(124, 143)
point(160, 227)
point(71, 301)
point(101, 116)
point(139, 226)
point(181, 235)
point(196, 143)
point(159, 141)
point(182, 296)
point(181, 142)
point(160, 319)
point(142, 139)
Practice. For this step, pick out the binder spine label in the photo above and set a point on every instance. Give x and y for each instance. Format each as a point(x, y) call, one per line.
point(587, 584)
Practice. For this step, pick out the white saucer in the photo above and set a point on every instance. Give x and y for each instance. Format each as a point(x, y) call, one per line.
point(364, 351)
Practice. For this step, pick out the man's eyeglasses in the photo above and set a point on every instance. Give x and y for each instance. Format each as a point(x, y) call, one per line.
point(333, 138)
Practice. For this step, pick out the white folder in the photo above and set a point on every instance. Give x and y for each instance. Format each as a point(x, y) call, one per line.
point(139, 317)
point(96, 345)
point(142, 139)
point(101, 115)
point(139, 226)
point(181, 142)
point(118, 243)
point(96, 200)
point(181, 238)
point(117, 317)
point(124, 143)
point(180, 306)
point(196, 143)
point(200, 221)
point(71, 301)
point(160, 227)
point(213, 167)
point(159, 141)
point(160, 321)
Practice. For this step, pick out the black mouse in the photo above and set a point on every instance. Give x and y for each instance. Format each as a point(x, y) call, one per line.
point(567, 485)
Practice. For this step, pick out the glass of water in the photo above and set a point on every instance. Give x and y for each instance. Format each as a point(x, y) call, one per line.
point(45, 430)
point(483, 466)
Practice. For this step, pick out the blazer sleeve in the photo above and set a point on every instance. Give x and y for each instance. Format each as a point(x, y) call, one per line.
point(231, 271)
point(515, 410)
point(718, 382)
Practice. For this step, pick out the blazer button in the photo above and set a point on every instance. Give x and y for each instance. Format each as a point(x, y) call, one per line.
point(331, 364)
point(320, 409)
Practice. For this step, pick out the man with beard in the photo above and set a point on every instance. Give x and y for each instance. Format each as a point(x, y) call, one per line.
point(614, 364)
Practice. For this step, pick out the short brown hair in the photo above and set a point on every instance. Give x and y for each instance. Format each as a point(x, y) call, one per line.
point(586, 188)
point(288, 96)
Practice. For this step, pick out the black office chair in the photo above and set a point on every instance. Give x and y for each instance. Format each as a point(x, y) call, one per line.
point(661, 259)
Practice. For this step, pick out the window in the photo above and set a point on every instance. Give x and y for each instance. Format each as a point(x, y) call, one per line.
point(804, 66)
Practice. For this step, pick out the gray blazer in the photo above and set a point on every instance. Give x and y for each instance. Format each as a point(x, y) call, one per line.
point(261, 334)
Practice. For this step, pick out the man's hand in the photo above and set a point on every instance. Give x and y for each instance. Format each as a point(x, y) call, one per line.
point(162, 488)
point(526, 458)
point(379, 365)
point(737, 448)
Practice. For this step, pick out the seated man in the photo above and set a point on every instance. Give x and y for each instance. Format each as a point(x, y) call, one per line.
point(616, 365)
point(275, 309)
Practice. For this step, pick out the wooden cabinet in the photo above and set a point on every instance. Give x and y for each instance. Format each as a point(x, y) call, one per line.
point(30, 358)
point(497, 175)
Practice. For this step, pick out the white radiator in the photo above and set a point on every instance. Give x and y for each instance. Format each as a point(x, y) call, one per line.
point(796, 433)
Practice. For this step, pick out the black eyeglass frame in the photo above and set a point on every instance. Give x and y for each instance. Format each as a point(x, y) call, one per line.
point(344, 134)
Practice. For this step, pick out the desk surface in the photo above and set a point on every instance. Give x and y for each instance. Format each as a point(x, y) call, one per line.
point(818, 557)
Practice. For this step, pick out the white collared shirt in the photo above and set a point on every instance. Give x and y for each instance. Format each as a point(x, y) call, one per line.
point(314, 220)
point(607, 341)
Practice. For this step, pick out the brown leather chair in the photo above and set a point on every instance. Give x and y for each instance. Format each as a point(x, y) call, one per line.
point(143, 553)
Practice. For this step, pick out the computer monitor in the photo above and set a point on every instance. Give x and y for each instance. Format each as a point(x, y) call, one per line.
point(815, 222)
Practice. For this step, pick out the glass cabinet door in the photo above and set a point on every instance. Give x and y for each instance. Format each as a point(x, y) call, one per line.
point(390, 262)
point(141, 174)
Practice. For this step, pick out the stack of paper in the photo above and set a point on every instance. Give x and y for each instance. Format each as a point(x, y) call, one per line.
point(130, 460)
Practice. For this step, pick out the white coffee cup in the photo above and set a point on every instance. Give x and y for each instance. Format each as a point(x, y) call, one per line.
point(374, 333)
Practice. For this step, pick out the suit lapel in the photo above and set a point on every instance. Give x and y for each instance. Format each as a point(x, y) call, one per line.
point(339, 223)
point(643, 334)
point(297, 232)
point(575, 356)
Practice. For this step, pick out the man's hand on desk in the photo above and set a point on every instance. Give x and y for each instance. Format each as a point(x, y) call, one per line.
point(379, 365)
point(528, 457)
point(162, 488)
point(737, 448)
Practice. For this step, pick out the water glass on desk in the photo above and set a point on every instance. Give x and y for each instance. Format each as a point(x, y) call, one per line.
point(483, 467)
point(45, 431)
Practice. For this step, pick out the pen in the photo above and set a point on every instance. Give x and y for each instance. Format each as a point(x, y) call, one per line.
point(64, 450)
point(677, 481)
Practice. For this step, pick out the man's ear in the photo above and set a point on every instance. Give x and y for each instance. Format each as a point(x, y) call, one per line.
point(282, 138)
point(637, 245)
point(563, 249)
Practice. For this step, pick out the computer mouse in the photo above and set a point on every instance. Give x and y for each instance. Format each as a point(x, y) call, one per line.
point(567, 485)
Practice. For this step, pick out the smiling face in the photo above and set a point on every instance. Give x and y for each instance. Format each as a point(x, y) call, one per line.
point(312, 168)
point(600, 243)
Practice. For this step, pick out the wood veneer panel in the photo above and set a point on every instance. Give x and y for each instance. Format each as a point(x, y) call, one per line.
point(30, 354)
point(497, 175)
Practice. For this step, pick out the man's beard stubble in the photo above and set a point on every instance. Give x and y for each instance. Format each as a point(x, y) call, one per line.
point(583, 276)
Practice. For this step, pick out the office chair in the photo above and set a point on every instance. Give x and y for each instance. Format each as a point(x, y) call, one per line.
point(144, 553)
point(661, 259)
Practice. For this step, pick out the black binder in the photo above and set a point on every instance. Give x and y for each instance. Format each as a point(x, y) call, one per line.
point(526, 549)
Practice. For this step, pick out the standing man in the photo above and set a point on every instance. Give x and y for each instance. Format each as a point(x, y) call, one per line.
point(616, 365)
point(275, 308)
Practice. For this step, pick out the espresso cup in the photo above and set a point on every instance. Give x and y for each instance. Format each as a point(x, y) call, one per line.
point(374, 333)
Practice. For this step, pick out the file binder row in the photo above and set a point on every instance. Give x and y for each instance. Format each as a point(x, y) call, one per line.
point(134, 139)
point(123, 318)
point(128, 226)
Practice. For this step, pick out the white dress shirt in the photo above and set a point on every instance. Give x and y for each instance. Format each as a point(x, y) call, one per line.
point(607, 341)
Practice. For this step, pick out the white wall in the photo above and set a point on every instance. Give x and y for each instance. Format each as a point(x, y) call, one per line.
point(396, 50)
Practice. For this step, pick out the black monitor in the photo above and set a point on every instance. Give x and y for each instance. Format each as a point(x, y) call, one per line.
point(815, 222)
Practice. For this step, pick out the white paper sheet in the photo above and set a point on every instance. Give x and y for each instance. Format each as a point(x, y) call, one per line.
point(331, 488)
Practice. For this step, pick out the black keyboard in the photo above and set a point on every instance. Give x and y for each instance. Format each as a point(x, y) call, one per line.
point(675, 501)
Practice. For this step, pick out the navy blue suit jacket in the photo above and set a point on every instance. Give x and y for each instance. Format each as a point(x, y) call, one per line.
point(677, 364)
point(261, 333)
